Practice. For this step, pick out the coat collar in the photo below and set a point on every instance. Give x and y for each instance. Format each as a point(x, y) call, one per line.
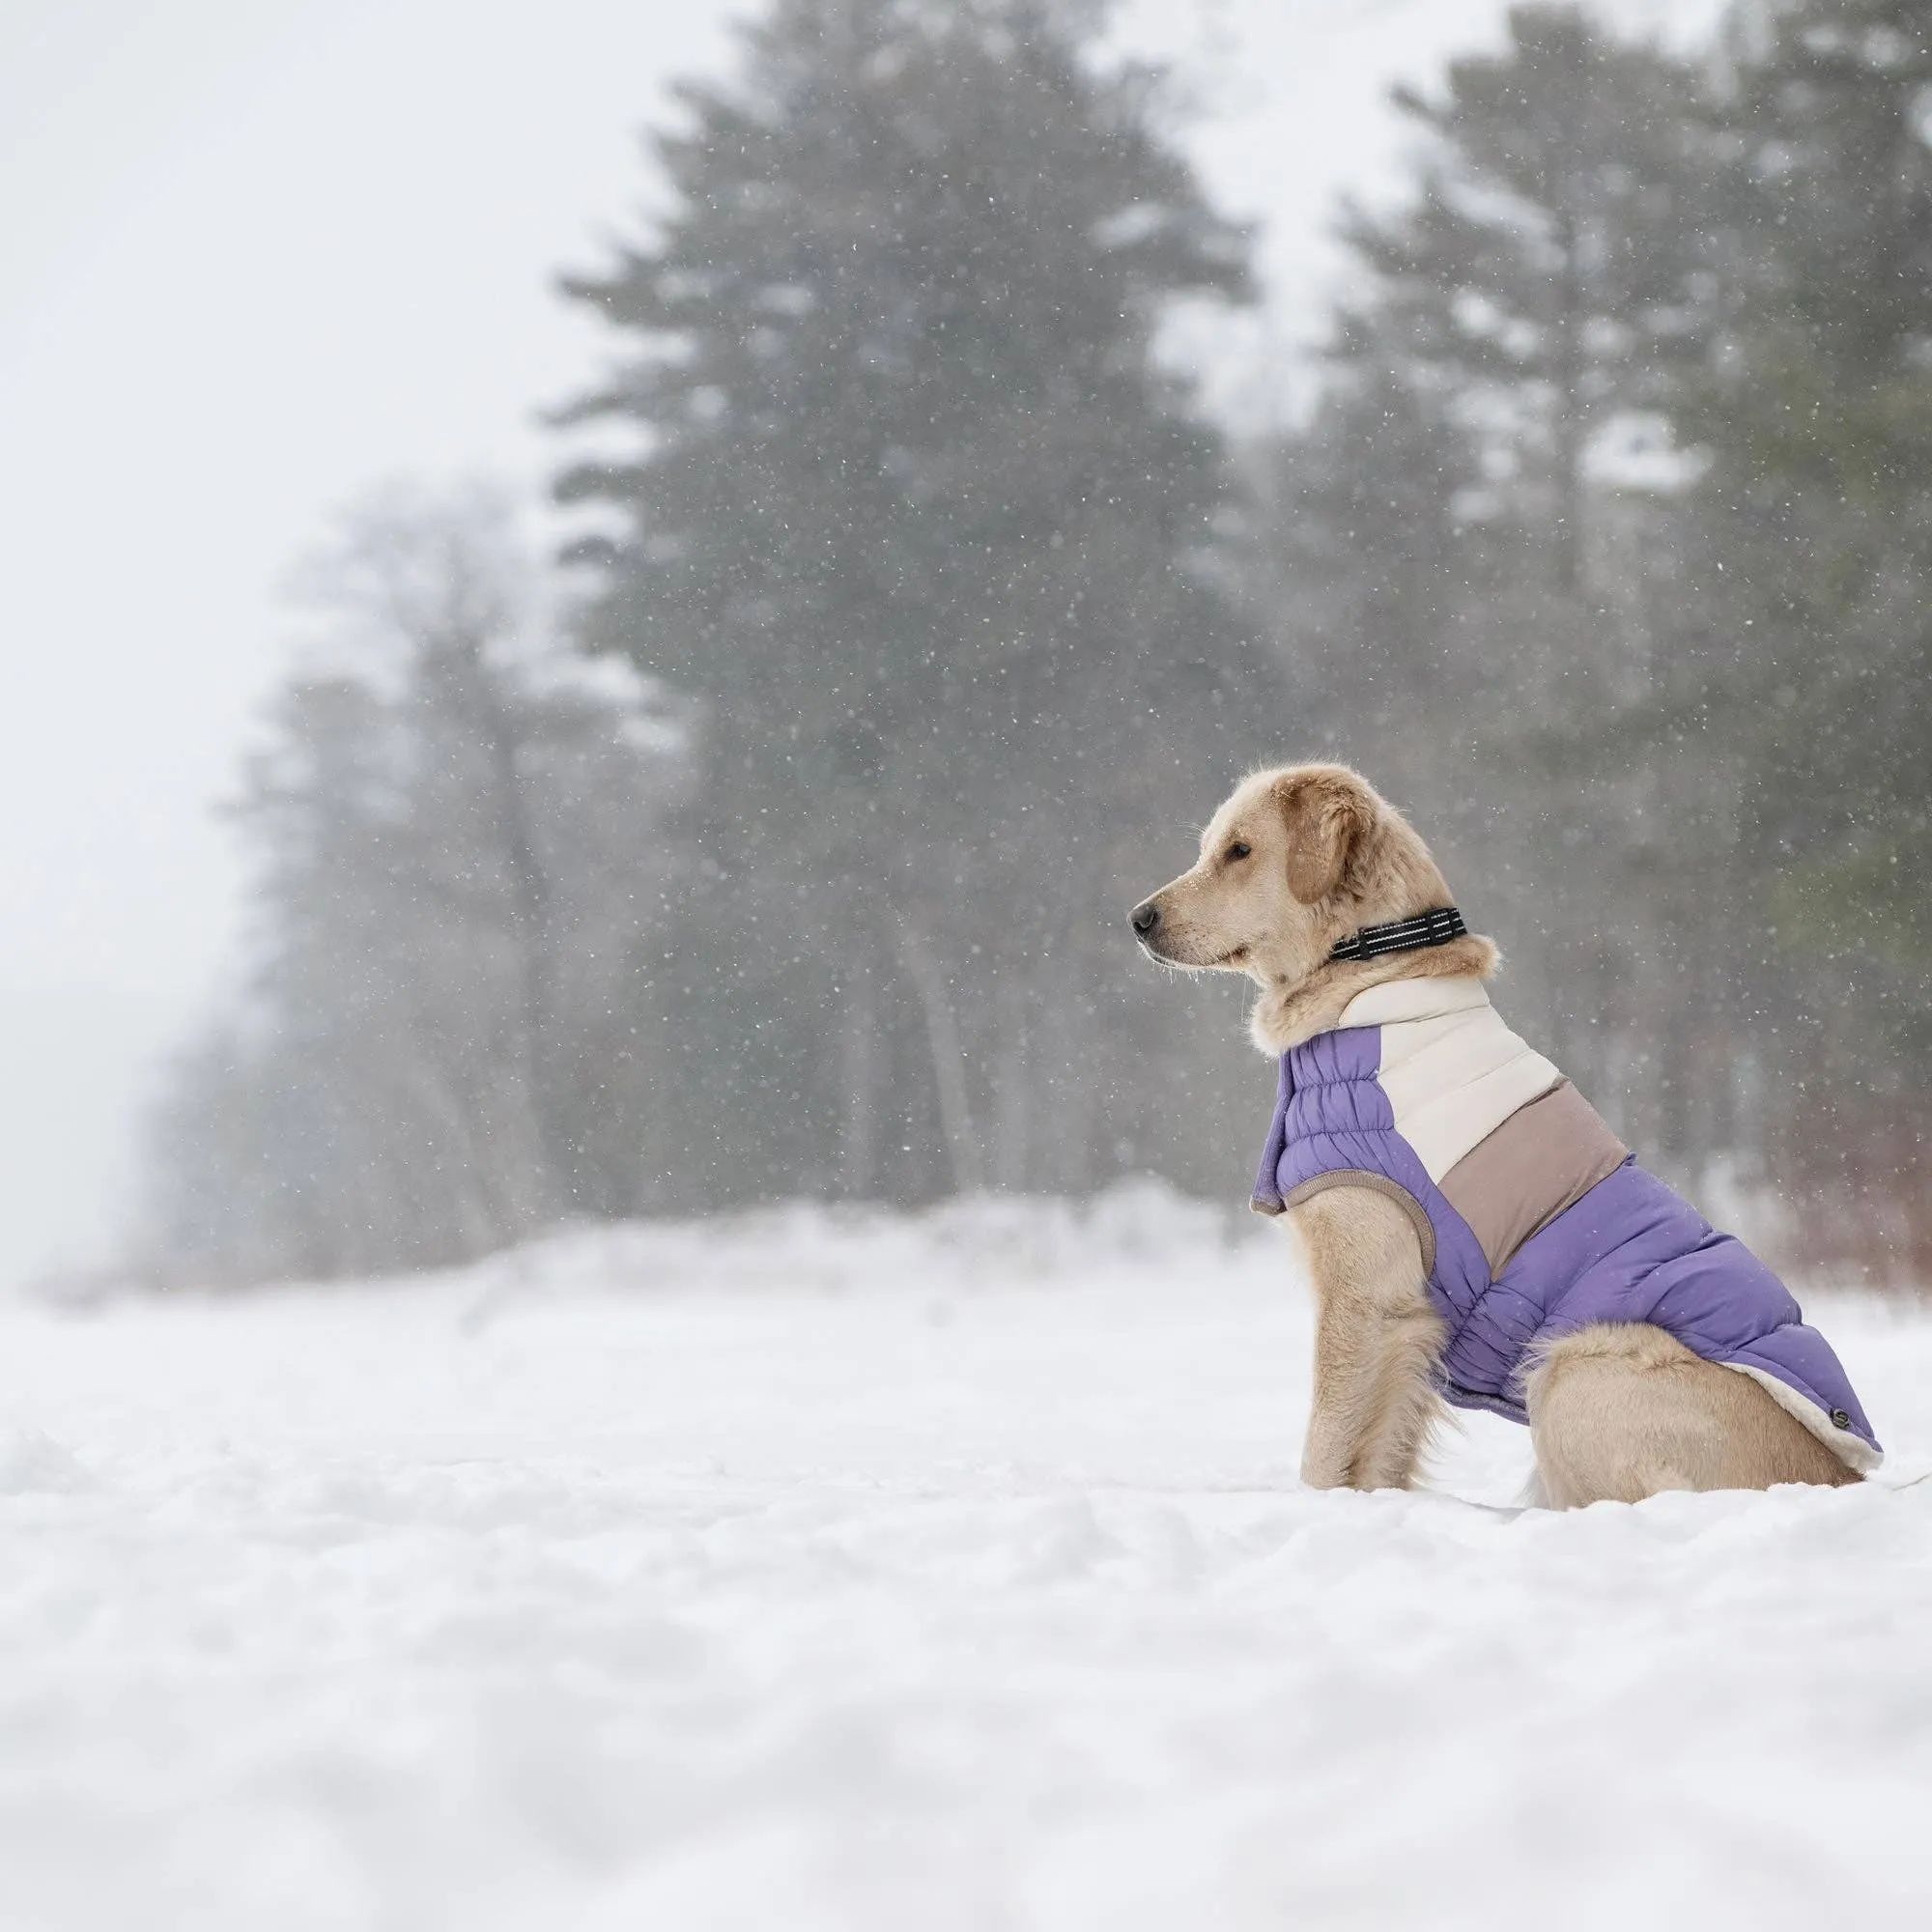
point(1396, 1001)
point(1284, 1016)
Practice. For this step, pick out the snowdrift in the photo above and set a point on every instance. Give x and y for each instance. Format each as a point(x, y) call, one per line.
point(942, 1572)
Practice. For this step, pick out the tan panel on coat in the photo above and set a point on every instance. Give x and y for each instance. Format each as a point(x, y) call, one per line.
point(1542, 1159)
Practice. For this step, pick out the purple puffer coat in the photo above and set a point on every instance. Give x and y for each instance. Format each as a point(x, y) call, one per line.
point(1534, 1221)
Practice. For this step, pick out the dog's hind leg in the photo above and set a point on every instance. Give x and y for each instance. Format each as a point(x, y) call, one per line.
point(1622, 1411)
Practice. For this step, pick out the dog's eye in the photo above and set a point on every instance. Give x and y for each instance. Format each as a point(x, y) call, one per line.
point(1237, 850)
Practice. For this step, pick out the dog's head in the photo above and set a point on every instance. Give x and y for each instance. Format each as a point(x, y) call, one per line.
point(1296, 859)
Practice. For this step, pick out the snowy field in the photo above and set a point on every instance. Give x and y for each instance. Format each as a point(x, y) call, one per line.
point(921, 1577)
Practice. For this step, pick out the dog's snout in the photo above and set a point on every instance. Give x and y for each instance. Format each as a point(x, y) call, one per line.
point(1146, 917)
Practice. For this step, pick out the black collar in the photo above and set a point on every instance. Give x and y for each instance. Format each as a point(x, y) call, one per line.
point(1436, 927)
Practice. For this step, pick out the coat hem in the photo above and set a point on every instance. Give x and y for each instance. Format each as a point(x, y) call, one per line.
point(1375, 1183)
point(1850, 1449)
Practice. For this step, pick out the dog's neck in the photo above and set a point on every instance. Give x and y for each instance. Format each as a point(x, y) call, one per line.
point(1290, 1013)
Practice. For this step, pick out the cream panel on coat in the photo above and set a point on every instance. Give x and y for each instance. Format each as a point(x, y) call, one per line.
point(1452, 1071)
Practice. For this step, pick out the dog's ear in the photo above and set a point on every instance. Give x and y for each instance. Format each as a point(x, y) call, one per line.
point(1327, 819)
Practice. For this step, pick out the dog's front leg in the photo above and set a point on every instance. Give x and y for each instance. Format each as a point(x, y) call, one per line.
point(1377, 1338)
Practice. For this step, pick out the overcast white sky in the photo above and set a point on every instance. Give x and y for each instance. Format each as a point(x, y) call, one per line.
point(257, 255)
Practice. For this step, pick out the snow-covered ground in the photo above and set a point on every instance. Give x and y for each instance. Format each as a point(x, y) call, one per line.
point(917, 1576)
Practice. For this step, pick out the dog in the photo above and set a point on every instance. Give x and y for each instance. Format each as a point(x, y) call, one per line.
point(1473, 1232)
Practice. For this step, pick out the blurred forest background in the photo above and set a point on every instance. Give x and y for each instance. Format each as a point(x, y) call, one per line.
point(921, 614)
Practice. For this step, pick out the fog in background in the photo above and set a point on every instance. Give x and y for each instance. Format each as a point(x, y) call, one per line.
point(260, 259)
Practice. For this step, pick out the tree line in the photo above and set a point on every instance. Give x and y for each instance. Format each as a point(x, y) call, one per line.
point(924, 615)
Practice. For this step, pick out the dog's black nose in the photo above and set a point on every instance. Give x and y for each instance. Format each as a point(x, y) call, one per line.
point(1146, 917)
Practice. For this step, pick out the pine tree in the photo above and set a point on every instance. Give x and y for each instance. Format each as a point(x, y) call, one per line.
point(1816, 522)
point(915, 518)
point(1546, 289)
point(1548, 271)
point(1820, 422)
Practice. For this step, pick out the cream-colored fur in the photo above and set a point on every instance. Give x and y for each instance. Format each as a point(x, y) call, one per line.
point(1622, 1411)
point(1325, 854)
point(1376, 1340)
point(1296, 859)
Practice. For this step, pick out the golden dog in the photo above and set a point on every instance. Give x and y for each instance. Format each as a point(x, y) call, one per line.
point(1296, 861)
